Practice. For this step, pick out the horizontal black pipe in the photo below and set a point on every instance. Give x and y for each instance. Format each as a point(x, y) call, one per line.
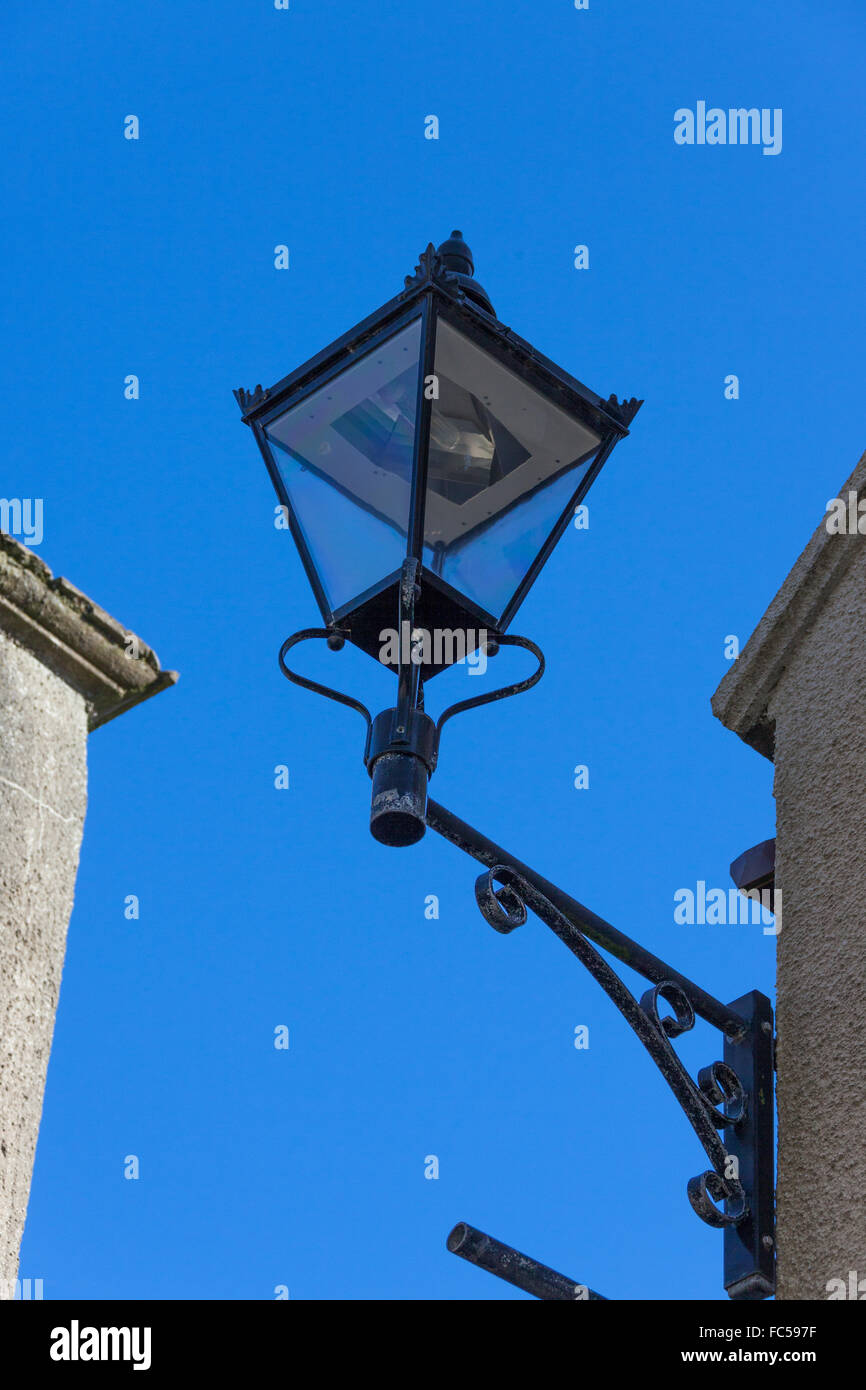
point(520, 1270)
point(467, 838)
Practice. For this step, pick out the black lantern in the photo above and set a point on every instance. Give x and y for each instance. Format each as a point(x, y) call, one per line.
point(428, 462)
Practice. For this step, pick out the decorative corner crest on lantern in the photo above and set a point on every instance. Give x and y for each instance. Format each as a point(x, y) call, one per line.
point(248, 400)
point(428, 271)
point(624, 410)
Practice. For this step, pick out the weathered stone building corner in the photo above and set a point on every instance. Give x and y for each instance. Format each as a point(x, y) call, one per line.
point(797, 694)
point(66, 667)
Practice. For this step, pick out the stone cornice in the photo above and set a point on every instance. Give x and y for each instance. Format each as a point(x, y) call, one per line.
point(74, 637)
point(743, 697)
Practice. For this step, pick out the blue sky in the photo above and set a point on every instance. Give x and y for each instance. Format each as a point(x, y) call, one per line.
point(262, 907)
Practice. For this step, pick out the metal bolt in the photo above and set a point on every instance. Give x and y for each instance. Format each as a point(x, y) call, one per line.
point(766, 1027)
point(767, 1242)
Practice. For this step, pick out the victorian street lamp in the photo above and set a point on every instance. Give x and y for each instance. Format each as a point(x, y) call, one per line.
point(428, 462)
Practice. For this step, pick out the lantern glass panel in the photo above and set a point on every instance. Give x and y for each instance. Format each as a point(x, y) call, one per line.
point(344, 453)
point(503, 463)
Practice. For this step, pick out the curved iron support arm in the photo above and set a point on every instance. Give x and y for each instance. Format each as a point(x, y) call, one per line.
point(505, 908)
point(737, 1094)
point(409, 687)
point(331, 634)
point(630, 952)
point(504, 691)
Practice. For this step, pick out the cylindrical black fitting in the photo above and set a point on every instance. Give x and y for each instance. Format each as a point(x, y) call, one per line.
point(401, 755)
point(398, 812)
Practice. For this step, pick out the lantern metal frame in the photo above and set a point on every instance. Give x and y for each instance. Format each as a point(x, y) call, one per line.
point(433, 294)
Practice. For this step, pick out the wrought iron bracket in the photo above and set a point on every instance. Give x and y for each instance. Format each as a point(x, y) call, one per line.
point(731, 1097)
point(750, 1245)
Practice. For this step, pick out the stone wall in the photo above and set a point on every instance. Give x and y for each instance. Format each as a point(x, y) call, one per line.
point(43, 792)
point(798, 695)
point(66, 667)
